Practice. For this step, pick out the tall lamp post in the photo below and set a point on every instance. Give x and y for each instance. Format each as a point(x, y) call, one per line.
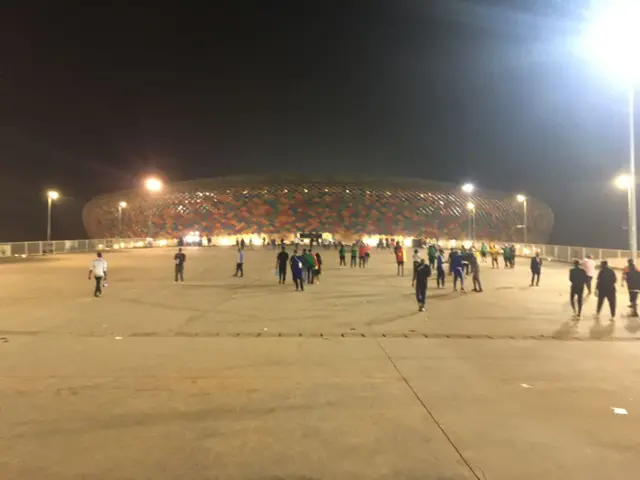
point(153, 185)
point(51, 196)
point(468, 188)
point(625, 182)
point(121, 205)
point(472, 220)
point(611, 37)
point(523, 200)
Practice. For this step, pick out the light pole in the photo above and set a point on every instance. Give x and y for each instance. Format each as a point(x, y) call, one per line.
point(523, 200)
point(152, 185)
point(611, 37)
point(121, 205)
point(626, 182)
point(468, 188)
point(51, 196)
point(472, 220)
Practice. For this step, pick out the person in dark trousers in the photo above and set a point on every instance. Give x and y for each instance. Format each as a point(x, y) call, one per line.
point(475, 271)
point(362, 250)
point(423, 272)
point(242, 244)
point(606, 288)
point(456, 268)
point(179, 260)
point(440, 269)
point(633, 284)
point(512, 255)
point(99, 271)
point(578, 279)
point(343, 255)
point(536, 269)
point(432, 253)
point(240, 263)
point(296, 271)
point(281, 264)
point(416, 264)
point(318, 267)
point(354, 255)
point(309, 262)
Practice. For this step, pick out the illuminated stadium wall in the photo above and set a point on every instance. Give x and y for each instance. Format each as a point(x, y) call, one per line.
point(343, 208)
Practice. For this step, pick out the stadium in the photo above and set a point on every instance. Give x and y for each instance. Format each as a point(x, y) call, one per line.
point(339, 208)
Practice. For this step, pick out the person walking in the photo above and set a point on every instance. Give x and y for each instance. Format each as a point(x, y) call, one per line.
point(505, 255)
point(416, 263)
point(240, 262)
point(536, 269)
point(493, 251)
point(296, 271)
point(423, 272)
point(354, 255)
point(309, 262)
point(281, 265)
point(606, 289)
point(440, 269)
point(179, 259)
point(456, 268)
point(99, 271)
point(590, 271)
point(483, 252)
point(633, 284)
point(318, 267)
point(512, 255)
point(242, 243)
point(343, 255)
point(578, 279)
point(432, 253)
point(400, 260)
point(475, 272)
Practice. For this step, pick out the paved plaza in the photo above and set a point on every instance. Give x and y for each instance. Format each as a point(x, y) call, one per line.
point(242, 378)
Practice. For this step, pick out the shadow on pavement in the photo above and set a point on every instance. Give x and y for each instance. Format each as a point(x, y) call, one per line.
point(599, 331)
point(566, 330)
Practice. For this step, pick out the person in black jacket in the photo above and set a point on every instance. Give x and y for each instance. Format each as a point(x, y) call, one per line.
point(606, 288)
point(633, 284)
point(536, 269)
point(423, 272)
point(578, 278)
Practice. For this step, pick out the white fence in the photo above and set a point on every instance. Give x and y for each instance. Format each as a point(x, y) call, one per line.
point(23, 249)
point(559, 253)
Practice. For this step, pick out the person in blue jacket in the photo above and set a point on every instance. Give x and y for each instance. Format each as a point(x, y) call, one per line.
point(456, 268)
point(440, 269)
point(296, 263)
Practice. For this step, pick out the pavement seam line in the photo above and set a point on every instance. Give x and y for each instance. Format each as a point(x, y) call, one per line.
point(426, 409)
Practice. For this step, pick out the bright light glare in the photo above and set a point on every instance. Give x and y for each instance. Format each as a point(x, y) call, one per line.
point(53, 195)
point(470, 206)
point(611, 37)
point(521, 198)
point(622, 182)
point(122, 204)
point(153, 184)
point(468, 188)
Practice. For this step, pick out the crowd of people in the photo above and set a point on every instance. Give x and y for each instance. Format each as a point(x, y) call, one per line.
point(305, 266)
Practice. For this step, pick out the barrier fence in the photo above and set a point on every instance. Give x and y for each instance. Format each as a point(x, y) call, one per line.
point(560, 253)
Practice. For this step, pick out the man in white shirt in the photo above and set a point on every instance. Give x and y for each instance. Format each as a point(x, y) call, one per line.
point(590, 270)
point(99, 271)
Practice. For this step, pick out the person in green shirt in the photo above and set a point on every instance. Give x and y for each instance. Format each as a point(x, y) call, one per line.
point(483, 252)
point(506, 256)
point(343, 255)
point(432, 254)
point(309, 262)
point(354, 255)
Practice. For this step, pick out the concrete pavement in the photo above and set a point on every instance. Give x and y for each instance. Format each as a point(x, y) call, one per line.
point(244, 378)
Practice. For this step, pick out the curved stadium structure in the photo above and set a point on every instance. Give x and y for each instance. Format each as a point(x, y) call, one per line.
point(340, 208)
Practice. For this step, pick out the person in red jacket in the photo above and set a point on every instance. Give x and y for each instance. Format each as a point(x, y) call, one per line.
point(400, 260)
point(362, 250)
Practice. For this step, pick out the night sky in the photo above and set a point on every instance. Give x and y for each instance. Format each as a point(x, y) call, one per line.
point(94, 97)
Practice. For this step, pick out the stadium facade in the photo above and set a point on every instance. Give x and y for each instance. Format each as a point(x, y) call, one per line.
point(340, 208)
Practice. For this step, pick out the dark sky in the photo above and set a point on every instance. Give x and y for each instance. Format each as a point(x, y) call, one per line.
point(92, 97)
